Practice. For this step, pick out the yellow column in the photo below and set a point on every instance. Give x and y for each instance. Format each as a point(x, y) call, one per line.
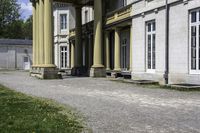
point(97, 61)
point(48, 33)
point(41, 32)
point(37, 35)
point(130, 67)
point(72, 54)
point(117, 50)
point(78, 38)
point(34, 33)
point(107, 51)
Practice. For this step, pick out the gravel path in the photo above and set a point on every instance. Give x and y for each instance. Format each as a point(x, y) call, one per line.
point(112, 107)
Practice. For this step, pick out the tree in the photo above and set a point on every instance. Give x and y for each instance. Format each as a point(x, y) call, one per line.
point(11, 26)
point(27, 28)
point(9, 16)
point(14, 30)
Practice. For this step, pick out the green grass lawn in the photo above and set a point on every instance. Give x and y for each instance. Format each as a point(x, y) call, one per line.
point(24, 114)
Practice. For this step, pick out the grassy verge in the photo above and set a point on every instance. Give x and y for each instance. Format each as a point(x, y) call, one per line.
point(24, 114)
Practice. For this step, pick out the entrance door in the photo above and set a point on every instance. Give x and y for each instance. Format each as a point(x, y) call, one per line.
point(26, 63)
point(125, 49)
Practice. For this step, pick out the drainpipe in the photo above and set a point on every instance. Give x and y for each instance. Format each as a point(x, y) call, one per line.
point(166, 76)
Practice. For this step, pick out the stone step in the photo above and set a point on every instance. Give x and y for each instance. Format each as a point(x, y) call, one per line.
point(142, 82)
point(185, 86)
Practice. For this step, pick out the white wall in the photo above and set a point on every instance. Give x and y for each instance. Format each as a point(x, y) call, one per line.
point(12, 56)
point(3, 57)
point(179, 62)
point(139, 46)
point(61, 37)
point(90, 14)
point(178, 40)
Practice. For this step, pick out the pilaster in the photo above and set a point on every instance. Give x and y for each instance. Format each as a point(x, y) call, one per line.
point(72, 54)
point(107, 51)
point(131, 33)
point(117, 50)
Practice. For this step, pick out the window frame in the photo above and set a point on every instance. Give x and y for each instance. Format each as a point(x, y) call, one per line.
point(63, 57)
point(151, 33)
point(63, 24)
point(197, 25)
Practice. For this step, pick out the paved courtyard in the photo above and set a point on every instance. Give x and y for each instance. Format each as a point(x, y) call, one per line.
point(112, 107)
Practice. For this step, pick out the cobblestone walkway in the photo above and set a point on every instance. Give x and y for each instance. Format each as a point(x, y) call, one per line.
point(112, 107)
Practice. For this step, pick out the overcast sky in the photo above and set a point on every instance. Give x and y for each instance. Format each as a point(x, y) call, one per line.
point(26, 8)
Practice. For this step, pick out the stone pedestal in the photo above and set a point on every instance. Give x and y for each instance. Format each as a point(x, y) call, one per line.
point(45, 73)
point(98, 72)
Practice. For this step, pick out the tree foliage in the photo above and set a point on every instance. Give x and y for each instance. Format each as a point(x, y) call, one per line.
point(9, 12)
point(27, 28)
point(11, 26)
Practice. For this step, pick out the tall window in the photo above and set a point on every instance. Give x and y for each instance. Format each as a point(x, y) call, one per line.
point(195, 41)
point(63, 56)
point(63, 21)
point(151, 46)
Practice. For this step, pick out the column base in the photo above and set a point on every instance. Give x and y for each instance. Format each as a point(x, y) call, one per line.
point(78, 71)
point(116, 74)
point(45, 73)
point(96, 72)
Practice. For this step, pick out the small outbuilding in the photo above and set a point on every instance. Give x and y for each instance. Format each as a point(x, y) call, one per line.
point(15, 54)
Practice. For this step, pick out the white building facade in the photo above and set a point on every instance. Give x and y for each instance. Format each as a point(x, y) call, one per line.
point(159, 40)
point(63, 22)
point(166, 43)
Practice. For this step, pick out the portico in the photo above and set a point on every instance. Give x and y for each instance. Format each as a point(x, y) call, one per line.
point(103, 53)
point(118, 44)
point(43, 63)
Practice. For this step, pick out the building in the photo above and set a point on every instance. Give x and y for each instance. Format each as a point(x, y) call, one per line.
point(63, 21)
point(87, 15)
point(117, 22)
point(15, 54)
point(166, 41)
point(139, 39)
